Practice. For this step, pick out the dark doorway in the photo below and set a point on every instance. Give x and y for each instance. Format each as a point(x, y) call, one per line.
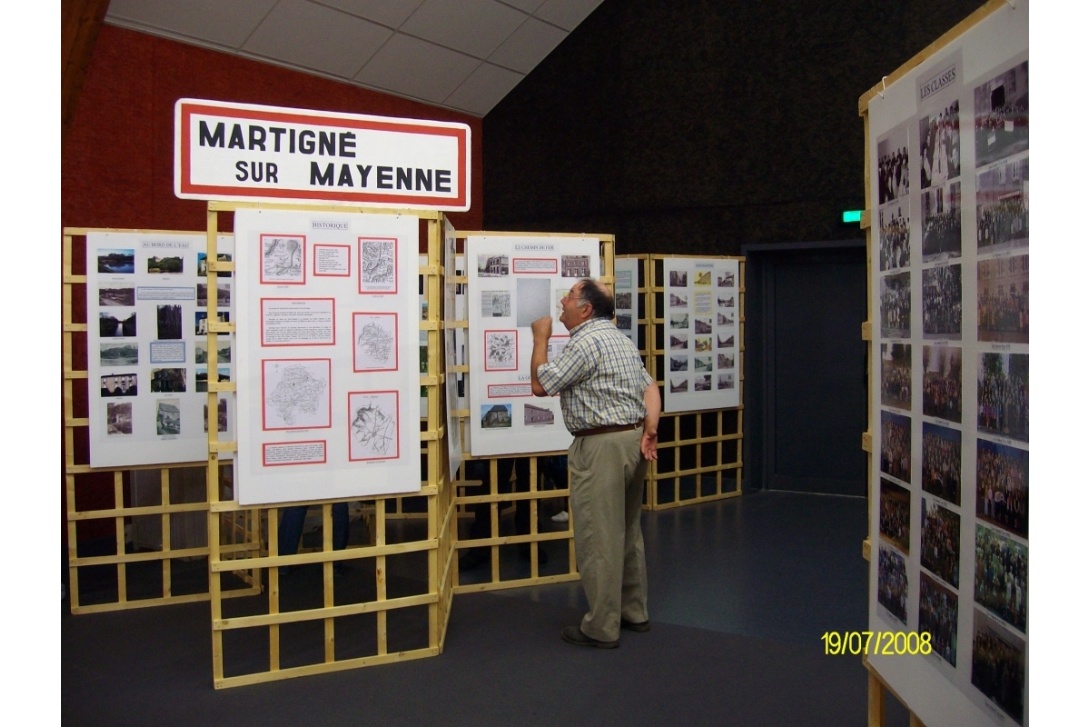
point(805, 367)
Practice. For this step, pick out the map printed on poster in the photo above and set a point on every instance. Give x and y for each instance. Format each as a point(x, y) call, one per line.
point(701, 321)
point(513, 281)
point(451, 340)
point(950, 150)
point(147, 347)
point(626, 296)
point(328, 361)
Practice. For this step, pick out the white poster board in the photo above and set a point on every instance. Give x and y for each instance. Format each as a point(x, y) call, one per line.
point(451, 342)
point(512, 281)
point(328, 365)
point(147, 347)
point(701, 309)
point(626, 296)
point(949, 151)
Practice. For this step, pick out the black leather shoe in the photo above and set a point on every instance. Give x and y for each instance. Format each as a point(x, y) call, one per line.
point(640, 627)
point(575, 635)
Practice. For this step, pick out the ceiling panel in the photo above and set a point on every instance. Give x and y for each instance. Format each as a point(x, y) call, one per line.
point(464, 55)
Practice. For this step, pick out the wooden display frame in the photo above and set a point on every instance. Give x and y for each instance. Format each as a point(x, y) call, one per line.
point(115, 484)
point(396, 576)
point(700, 452)
point(502, 573)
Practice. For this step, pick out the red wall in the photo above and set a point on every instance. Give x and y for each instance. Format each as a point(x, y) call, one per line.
point(118, 154)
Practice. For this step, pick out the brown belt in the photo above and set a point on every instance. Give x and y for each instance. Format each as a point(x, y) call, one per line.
point(608, 429)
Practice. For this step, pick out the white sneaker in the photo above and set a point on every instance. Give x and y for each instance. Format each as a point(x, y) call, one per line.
point(560, 517)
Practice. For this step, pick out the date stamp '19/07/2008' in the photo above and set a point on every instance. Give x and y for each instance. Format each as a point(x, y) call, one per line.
point(876, 643)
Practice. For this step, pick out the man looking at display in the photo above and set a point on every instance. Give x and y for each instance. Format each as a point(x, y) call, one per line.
point(611, 406)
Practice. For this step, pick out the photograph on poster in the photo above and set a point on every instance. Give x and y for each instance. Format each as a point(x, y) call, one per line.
point(942, 222)
point(702, 278)
point(378, 265)
point(116, 296)
point(679, 341)
point(893, 239)
point(940, 541)
point(117, 325)
point(575, 266)
point(202, 264)
point(168, 322)
point(168, 417)
point(896, 305)
point(117, 262)
point(893, 583)
point(897, 446)
point(624, 321)
point(1002, 570)
point(200, 351)
point(493, 266)
point(221, 415)
point(725, 319)
point(1001, 111)
point(702, 344)
point(375, 335)
point(725, 381)
point(223, 294)
point(679, 384)
point(501, 350)
point(1002, 486)
point(725, 279)
point(702, 364)
point(118, 418)
point(942, 462)
point(725, 360)
point(200, 318)
point(495, 303)
point(942, 382)
point(375, 426)
point(893, 167)
point(939, 617)
point(536, 416)
point(940, 146)
point(679, 300)
point(532, 300)
point(1002, 299)
point(623, 301)
point(942, 302)
point(895, 514)
point(170, 380)
point(202, 377)
point(282, 259)
point(727, 302)
point(897, 375)
point(165, 265)
point(722, 341)
point(118, 354)
point(679, 320)
point(1002, 207)
point(496, 416)
point(702, 382)
point(679, 278)
point(999, 665)
point(1003, 395)
point(296, 393)
point(702, 325)
point(119, 384)
point(679, 363)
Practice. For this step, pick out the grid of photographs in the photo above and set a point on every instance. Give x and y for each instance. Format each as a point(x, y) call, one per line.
point(951, 282)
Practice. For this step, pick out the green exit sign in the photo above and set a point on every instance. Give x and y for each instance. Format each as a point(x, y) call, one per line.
point(851, 216)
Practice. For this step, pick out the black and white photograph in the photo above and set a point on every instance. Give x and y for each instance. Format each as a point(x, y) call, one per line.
point(1002, 207)
point(999, 665)
point(1002, 299)
point(116, 296)
point(893, 239)
point(896, 305)
point(679, 300)
point(942, 462)
point(939, 617)
point(118, 418)
point(895, 514)
point(118, 354)
point(119, 324)
point(1001, 115)
point(1003, 395)
point(725, 380)
point(893, 583)
point(168, 417)
point(679, 278)
point(724, 279)
point(1002, 571)
point(495, 303)
point(942, 302)
point(679, 384)
point(574, 266)
point(893, 166)
point(169, 322)
point(940, 146)
point(493, 266)
point(940, 541)
point(702, 382)
point(942, 382)
point(121, 384)
point(170, 380)
point(722, 341)
point(679, 341)
point(1002, 486)
point(679, 363)
point(896, 446)
point(941, 207)
point(897, 375)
